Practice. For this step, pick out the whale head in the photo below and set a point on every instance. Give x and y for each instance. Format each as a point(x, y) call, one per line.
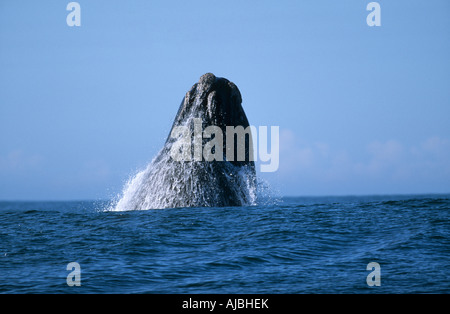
point(169, 182)
point(217, 102)
point(214, 99)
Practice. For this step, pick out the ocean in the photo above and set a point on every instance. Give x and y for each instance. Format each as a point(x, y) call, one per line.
point(296, 245)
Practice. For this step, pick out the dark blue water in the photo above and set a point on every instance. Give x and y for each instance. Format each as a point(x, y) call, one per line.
point(302, 245)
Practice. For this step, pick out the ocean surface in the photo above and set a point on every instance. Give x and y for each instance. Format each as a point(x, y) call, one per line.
point(298, 245)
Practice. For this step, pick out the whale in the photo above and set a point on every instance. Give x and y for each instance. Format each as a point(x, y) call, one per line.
point(197, 180)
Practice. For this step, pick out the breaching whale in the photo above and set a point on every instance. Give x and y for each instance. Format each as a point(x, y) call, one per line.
point(196, 181)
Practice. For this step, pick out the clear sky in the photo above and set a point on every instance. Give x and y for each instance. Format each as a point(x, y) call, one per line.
point(361, 110)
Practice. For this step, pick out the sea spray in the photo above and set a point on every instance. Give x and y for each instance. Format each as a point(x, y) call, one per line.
point(146, 189)
point(164, 184)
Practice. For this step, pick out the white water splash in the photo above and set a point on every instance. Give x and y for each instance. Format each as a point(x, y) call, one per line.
point(166, 183)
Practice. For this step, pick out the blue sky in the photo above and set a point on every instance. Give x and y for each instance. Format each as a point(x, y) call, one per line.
point(361, 110)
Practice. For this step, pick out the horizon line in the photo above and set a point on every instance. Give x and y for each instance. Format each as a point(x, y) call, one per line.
point(276, 196)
